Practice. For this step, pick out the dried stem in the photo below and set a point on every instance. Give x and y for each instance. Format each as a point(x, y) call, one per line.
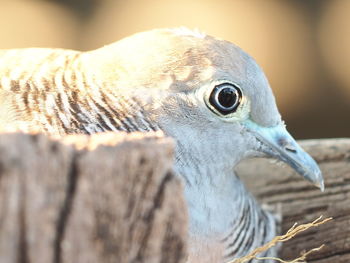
point(293, 231)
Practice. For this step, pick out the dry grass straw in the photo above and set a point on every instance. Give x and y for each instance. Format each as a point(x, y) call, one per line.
point(293, 231)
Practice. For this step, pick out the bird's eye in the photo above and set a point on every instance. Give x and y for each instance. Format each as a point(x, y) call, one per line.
point(225, 98)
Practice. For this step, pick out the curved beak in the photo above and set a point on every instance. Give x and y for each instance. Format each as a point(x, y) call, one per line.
point(278, 143)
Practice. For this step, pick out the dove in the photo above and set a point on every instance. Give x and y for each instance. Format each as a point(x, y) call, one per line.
point(207, 94)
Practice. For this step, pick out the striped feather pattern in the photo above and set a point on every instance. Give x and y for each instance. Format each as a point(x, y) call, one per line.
point(47, 89)
point(254, 228)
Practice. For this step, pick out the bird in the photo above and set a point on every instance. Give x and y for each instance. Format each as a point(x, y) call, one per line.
point(206, 93)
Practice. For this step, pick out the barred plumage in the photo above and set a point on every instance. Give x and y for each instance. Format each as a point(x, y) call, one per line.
point(207, 94)
point(48, 90)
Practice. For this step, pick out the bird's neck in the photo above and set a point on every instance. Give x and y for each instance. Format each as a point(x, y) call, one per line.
point(215, 197)
point(221, 209)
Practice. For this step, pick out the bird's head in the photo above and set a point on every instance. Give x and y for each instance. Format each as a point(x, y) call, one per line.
point(218, 105)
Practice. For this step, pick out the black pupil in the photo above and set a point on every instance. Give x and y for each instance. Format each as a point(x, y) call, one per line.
point(227, 97)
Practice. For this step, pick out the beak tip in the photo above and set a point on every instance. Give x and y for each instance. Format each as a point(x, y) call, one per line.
point(319, 181)
point(320, 185)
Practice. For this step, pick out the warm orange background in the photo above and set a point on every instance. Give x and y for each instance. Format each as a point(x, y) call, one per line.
point(303, 46)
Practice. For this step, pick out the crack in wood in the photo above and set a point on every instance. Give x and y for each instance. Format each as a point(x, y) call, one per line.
point(22, 242)
point(72, 180)
point(157, 202)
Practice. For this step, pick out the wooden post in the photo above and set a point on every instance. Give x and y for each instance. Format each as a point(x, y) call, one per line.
point(104, 198)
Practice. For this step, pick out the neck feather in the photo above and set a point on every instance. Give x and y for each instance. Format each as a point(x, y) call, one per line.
point(221, 209)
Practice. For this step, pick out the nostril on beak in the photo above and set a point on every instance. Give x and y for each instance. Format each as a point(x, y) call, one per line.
point(288, 146)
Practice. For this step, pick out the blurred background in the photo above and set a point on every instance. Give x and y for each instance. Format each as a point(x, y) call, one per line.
point(303, 46)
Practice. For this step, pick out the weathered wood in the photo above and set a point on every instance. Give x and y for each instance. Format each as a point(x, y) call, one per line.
point(300, 202)
point(113, 198)
point(104, 198)
point(33, 181)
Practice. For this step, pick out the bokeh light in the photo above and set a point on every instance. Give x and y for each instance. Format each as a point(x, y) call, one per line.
point(36, 24)
point(334, 34)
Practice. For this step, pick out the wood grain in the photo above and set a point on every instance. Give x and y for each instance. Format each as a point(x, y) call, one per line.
point(104, 198)
point(299, 201)
point(113, 198)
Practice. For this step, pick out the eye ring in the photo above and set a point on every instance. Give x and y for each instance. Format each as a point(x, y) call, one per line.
point(225, 98)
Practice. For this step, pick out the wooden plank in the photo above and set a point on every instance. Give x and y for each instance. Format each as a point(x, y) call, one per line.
point(298, 201)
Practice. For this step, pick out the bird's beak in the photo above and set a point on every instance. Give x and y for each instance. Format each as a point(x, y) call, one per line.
point(278, 143)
